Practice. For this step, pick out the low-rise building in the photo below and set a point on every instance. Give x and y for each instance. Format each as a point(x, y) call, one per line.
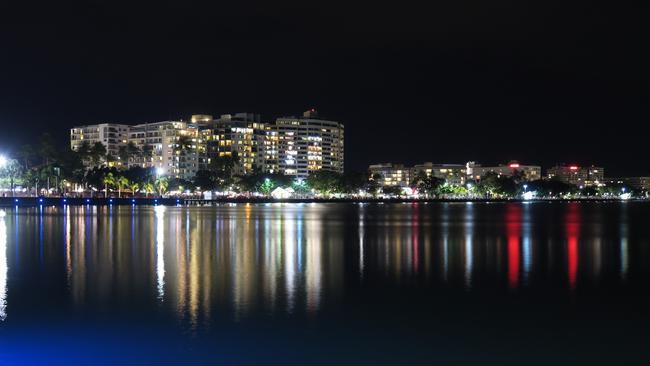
point(577, 175)
point(642, 183)
point(525, 172)
point(454, 174)
point(390, 175)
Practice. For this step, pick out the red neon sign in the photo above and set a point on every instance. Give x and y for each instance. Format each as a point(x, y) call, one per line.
point(573, 167)
point(514, 165)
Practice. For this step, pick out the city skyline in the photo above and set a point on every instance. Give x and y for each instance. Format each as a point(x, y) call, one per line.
point(432, 80)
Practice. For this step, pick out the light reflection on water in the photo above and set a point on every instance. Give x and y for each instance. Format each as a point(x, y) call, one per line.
point(242, 260)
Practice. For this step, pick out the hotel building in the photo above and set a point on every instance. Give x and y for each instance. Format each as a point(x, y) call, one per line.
point(307, 144)
point(174, 146)
point(390, 175)
point(528, 172)
point(245, 136)
point(642, 183)
point(451, 173)
point(294, 146)
point(576, 175)
point(111, 135)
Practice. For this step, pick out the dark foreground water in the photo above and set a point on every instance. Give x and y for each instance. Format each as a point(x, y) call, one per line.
point(303, 284)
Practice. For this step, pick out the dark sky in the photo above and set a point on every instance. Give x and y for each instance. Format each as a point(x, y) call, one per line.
point(448, 81)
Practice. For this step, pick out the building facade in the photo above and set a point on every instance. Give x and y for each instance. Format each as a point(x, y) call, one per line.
point(294, 146)
point(307, 144)
point(576, 175)
point(111, 135)
point(525, 172)
point(642, 183)
point(452, 173)
point(390, 175)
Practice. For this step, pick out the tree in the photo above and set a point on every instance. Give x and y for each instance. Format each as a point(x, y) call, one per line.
point(108, 180)
point(11, 171)
point(205, 180)
point(161, 185)
point(133, 187)
point(47, 148)
point(224, 167)
point(97, 153)
point(325, 182)
point(429, 185)
point(148, 188)
point(121, 182)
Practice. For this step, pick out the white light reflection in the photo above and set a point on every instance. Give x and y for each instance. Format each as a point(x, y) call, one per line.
point(527, 247)
point(3, 268)
point(469, 257)
point(290, 261)
point(361, 234)
point(160, 248)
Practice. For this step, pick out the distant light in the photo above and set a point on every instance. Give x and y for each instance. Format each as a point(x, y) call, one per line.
point(3, 161)
point(16, 200)
point(529, 195)
point(160, 171)
point(573, 167)
point(40, 200)
point(133, 201)
point(514, 165)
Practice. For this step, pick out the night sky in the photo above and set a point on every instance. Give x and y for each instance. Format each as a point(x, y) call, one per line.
point(449, 81)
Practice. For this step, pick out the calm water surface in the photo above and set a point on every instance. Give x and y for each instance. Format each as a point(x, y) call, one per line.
point(448, 283)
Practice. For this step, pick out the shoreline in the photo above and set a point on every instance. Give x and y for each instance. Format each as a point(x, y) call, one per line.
point(69, 201)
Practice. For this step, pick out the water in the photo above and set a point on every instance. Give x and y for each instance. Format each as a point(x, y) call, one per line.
point(448, 283)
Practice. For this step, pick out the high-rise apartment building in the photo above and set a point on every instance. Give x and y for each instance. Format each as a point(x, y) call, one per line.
point(294, 146)
point(245, 136)
point(111, 135)
point(307, 144)
point(176, 147)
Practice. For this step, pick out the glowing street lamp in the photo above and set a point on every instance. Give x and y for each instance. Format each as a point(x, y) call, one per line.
point(160, 171)
point(3, 161)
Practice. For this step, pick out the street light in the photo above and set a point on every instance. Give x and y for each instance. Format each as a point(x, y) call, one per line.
point(160, 171)
point(3, 161)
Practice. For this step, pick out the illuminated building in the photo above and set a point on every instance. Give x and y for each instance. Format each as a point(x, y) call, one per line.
point(111, 135)
point(576, 175)
point(527, 172)
point(390, 175)
point(642, 183)
point(451, 173)
point(174, 146)
point(245, 136)
point(308, 143)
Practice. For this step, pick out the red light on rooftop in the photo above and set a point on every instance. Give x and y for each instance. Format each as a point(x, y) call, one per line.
point(514, 165)
point(573, 167)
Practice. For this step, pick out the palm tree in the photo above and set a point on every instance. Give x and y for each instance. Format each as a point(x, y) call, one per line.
point(134, 186)
point(121, 182)
point(109, 180)
point(161, 185)
point(148, 188)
